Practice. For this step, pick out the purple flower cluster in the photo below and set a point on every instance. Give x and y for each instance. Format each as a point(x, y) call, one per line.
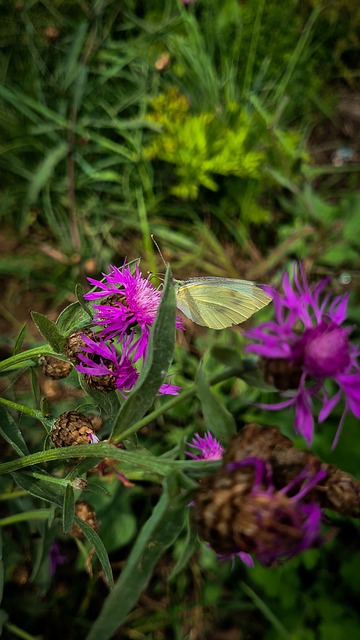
point(282, 526)
point(128, 309)
point(283, 522)
point(307, 332)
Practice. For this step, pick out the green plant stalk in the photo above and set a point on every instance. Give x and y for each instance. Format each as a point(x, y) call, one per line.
point(20, 358)
point(34, 413)
point(39, 514)
point(188, 393)
point(13, 495)
point(148, 463)
point(19, 633)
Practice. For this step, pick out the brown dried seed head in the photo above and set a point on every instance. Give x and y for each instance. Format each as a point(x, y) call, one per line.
point(104, 384)
point(71, 428)
point(74, 343)
point(338, 491)
point(218, 502)
point(55, 368)
point(86, 513)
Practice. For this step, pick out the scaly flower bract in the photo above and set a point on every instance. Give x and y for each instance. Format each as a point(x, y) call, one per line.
point(307, 332)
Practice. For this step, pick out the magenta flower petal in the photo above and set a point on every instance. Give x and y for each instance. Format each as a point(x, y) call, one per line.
point(307, 332)
point(209, 447)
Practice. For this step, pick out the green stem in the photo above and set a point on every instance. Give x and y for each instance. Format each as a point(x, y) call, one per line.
point(184, 395)
point(19, 633)
point(34, 413)
point(39, 514)
point(148, 463)
point(20, 358)
point(12, 495)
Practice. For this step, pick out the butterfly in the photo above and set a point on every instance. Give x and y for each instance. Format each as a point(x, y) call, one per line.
point(215, 302)
point(218, 303)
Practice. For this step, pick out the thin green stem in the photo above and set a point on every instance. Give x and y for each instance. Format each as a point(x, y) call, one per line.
point(19, 633)
point(188, 393)
point(20, 358)
point(39, 514)
point(34, 413)
point(267, 613)
point(12, 495)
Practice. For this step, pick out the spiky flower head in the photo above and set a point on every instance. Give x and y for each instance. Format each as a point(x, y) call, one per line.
point(130, 301)
point(312, 346)
point(238, 511)
point(209, 448)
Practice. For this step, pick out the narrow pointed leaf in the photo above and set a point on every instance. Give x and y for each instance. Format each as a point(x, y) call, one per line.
point(73, 317)
point(12, 434)
point(49, 331)
point(158, 533)
point(217, 418)
point(20, 339)
point(69, 508)
point(99, 548)
point(159, 358)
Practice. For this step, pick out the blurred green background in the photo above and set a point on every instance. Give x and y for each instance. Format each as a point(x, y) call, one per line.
point(231, 131)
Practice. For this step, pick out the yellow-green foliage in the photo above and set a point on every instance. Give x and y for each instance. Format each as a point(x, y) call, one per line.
point(202, 145)
point(241, 145)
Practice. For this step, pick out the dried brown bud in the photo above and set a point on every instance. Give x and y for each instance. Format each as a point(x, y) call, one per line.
point(104, 384)
point(75, 344)
point(72, 428)
point(281, 373)
point(86, 513)
point(55, 368)
point(219, 506)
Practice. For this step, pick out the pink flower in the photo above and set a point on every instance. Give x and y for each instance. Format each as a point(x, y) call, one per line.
point(308, 334)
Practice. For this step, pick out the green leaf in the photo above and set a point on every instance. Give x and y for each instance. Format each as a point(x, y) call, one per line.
point(74, 316)
point(12, 434)
point(20, 339)
point(227, 356)
point(44, 171)
point(3, 619)
point(190, 544)
point(49, 331)
point(157, 534)
point(217, 418)
point(40, 488)
point(69, 508)
point(99, 548)
point(158, 360)
point(108, 402)
point(1, 569)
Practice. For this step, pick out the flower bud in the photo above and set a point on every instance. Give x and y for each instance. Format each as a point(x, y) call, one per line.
point(72, 428)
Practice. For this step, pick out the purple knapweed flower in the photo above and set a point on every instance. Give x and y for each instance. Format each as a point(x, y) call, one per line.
point(273, 525)
point(136, 303)
point(308, 335)
point(209, 448)
point(102, 359)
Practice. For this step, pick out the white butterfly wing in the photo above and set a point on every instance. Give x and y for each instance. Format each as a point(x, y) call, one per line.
point(219, 302)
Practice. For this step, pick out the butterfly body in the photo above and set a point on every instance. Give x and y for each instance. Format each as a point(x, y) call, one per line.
point(218, 303)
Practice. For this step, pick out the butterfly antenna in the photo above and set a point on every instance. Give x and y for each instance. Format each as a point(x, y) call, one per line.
point(158, 248)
